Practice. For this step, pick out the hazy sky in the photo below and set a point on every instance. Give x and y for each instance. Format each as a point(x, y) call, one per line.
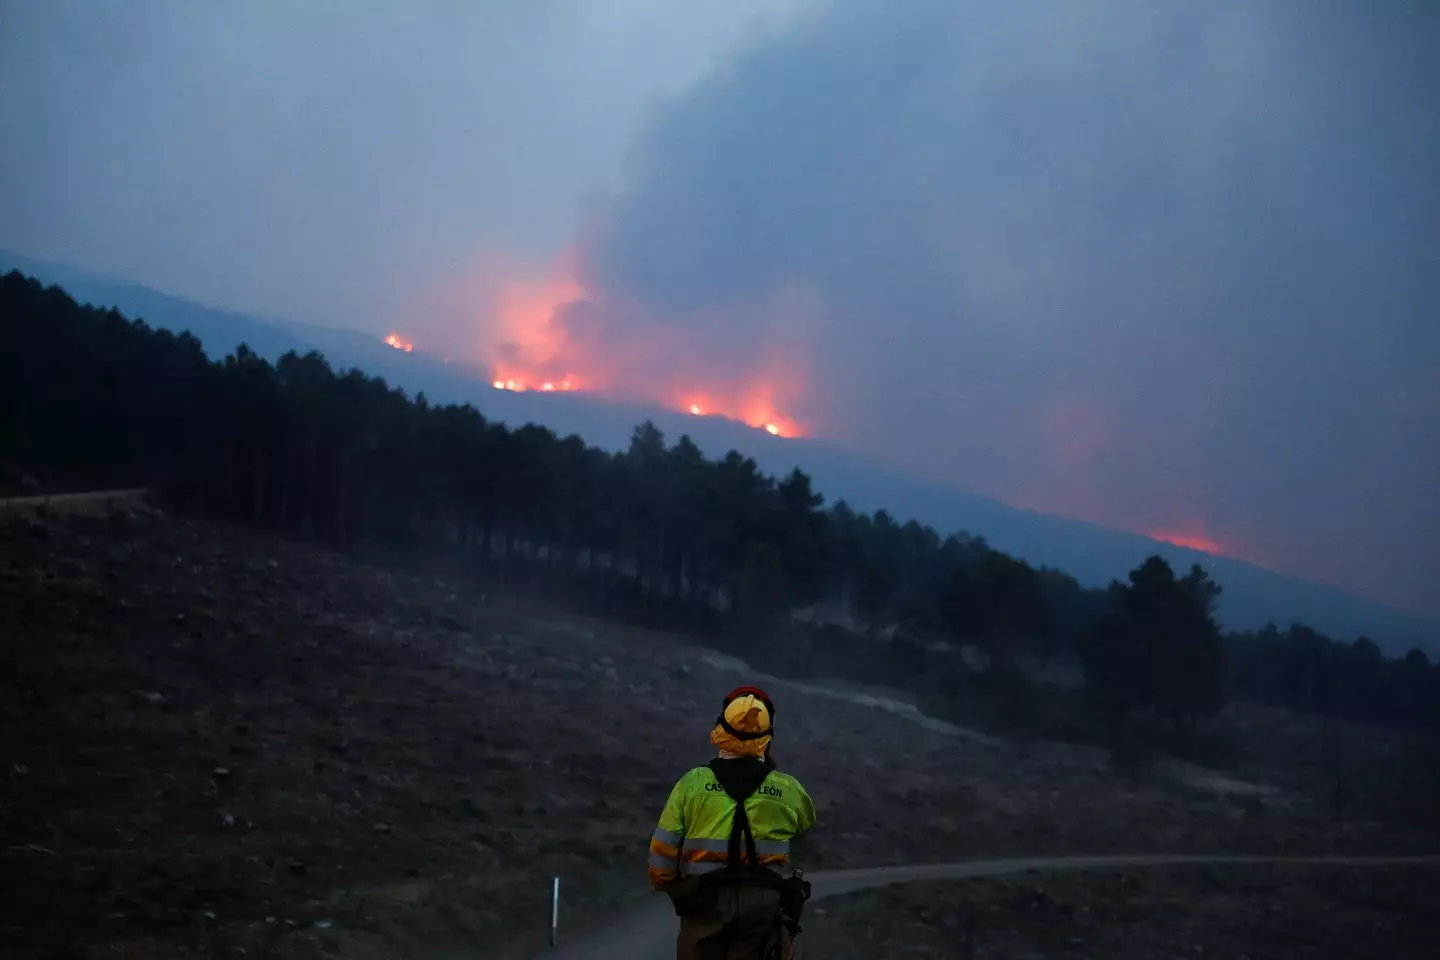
point(315, 159)
point(1164, 266)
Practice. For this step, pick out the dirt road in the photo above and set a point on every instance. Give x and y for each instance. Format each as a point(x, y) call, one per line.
point(649, 933)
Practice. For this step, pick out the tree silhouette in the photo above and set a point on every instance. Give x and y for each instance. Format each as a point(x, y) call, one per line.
point(659, 532)
point(1158, 651)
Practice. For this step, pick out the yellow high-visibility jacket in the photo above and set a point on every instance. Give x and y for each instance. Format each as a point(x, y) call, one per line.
point(693, 835)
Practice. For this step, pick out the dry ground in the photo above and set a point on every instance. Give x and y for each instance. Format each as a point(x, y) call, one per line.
point(1272, 912)
point(217, 743)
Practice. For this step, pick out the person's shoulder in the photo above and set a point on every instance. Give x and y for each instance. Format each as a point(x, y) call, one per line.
point(696, 775)
point(781, 779)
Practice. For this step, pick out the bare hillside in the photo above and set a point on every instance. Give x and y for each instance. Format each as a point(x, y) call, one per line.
point(1276, 912)
point(217, 741)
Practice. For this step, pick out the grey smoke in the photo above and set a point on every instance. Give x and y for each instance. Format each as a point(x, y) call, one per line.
point(1163, 266)
point(1154, 264)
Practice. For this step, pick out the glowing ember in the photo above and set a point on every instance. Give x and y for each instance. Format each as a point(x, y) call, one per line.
point(538, 327)
point(757, 411)
point(520, 383)
point(1190, 541)
point(399, 342)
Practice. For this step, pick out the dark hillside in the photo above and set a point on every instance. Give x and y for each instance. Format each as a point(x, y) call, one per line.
point(659, 533)
point(1093, 555)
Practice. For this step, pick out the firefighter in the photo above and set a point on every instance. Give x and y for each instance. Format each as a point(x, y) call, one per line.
point(722, 848)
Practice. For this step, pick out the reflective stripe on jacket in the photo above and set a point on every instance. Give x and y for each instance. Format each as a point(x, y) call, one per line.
point(693, 836)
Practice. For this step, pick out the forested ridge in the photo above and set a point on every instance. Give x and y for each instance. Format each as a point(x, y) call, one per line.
point(90, 399)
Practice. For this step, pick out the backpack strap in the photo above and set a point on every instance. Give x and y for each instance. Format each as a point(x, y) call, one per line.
point(740, 828)
point(739, 789)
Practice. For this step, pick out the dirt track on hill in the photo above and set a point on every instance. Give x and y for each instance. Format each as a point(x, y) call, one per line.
point(648, 933)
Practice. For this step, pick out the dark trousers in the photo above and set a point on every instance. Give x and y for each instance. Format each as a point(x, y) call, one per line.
point(744, 925)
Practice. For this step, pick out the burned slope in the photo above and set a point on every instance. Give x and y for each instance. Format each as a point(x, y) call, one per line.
point(208, 733)
point(216, 739)
point(1274, 911)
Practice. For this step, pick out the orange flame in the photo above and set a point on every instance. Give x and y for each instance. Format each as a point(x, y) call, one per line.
point(546, 332)
point(520, 383)
point(758, 411)
point(399, 342)
point(1190, 541)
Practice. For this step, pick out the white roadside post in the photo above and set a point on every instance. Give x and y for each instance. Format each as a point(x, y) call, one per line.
point(554, 909)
